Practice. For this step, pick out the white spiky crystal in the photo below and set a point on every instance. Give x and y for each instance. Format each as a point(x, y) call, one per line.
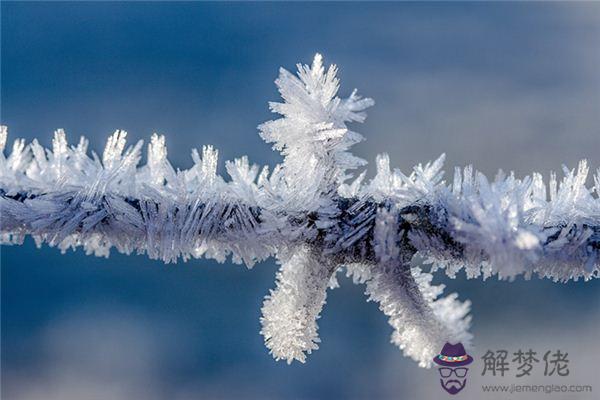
point(306, 215)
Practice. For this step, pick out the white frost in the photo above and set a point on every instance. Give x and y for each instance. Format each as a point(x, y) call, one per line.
point(306, 214)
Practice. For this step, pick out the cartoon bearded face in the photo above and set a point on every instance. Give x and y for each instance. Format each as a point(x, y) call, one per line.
point(453, 379)
point(452, 362)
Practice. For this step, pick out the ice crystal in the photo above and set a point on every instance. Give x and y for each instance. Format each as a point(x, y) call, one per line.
point(307, 215)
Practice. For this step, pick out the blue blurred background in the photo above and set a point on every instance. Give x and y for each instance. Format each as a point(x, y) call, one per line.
point(512, 86)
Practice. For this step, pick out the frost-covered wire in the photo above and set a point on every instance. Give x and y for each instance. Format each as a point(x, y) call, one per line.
point(307, 214)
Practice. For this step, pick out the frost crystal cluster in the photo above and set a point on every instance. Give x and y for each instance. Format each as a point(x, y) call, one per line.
point(307, 214)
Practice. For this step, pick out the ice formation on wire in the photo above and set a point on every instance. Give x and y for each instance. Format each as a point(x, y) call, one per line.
point(306, 214)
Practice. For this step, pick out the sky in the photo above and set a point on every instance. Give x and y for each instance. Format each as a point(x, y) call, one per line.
point(512, 86)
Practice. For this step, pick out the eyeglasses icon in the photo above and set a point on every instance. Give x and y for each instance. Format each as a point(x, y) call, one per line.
point(447, 372)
